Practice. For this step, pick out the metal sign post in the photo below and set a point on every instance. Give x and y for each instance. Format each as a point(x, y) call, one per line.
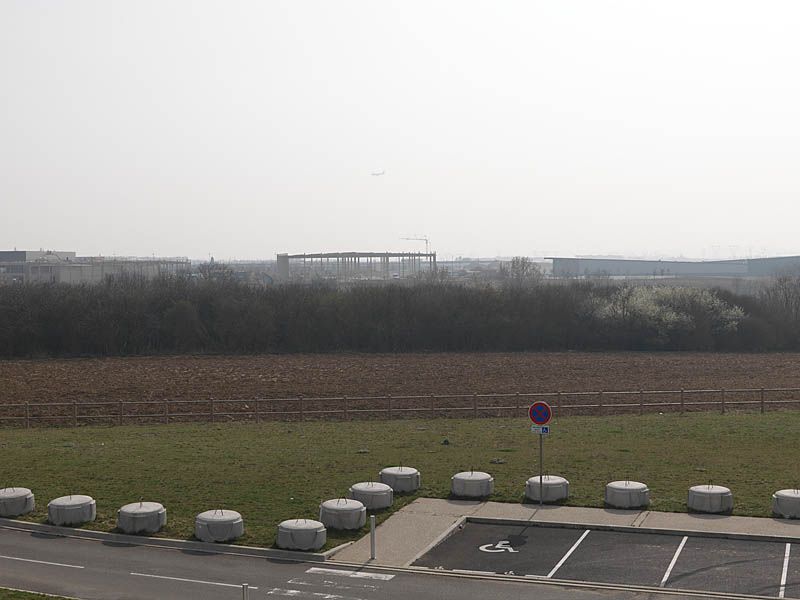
point(372, 537)
point(541, 469)
point(540, 414)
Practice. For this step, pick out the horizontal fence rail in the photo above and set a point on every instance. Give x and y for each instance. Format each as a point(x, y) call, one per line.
point(346, 408)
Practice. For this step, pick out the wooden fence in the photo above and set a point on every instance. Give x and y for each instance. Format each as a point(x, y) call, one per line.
point(346, 408)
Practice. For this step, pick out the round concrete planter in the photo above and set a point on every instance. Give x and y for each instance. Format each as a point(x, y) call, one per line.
point(343, 513)
point(15, 502)
point(141, 517)
point(627, 494)
point(472, 484)
point(72, 510)
point(710, 499)
point(554, 488)
point(218, 526)
point(301, 534)
point(401, 479)
point(786, 503)
point(372, 494)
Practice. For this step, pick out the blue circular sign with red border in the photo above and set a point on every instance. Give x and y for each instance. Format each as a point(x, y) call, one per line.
point(540, 413)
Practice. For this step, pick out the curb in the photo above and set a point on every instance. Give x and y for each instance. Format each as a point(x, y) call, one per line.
point(168, 543)
point(333, 551)
point(42, 594)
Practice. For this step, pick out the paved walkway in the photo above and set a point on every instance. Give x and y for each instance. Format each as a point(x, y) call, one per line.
point(414, 529)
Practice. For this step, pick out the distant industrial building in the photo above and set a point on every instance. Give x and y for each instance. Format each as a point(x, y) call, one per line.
point(622, 267)
point(344, 267)
point(25, 266)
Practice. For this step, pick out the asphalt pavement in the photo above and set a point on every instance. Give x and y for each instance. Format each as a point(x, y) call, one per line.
point(107, 570)
point(697, 562)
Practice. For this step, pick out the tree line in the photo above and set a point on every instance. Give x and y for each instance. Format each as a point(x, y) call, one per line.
point(133, 316)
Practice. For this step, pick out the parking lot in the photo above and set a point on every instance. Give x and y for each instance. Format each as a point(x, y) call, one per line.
point(694, 562)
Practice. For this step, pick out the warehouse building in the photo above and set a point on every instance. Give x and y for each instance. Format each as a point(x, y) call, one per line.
point(48, 266)
point(622, 267)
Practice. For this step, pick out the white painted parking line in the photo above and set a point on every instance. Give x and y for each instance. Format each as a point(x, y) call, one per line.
point(350, 573)
point(233, 585)
point(673, 561)
point(782, 591)
point(567, 555)
point(42, 562)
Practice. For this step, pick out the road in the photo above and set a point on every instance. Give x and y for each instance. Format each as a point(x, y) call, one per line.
point(102, 570)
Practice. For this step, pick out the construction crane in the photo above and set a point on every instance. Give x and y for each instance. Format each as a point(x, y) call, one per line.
point(421, 238)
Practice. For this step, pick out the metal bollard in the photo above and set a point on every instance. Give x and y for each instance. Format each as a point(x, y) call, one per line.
point(372, 537)
point(245, 591)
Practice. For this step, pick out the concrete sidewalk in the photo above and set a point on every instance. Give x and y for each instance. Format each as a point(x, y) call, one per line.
point(414, 529)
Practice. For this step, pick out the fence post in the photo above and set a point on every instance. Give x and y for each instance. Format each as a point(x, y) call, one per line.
point(558, 401)
point(762, 401)
point(389, 400)
point(28, 416)
point(74, 413)
point(245, 591)
point(599, 403)
point(641, 402)
point(723, 401)
point(346, 414)
point(474, 406)
point(433, 403)
point(258, 410)
point(302, 408)
point(212, 410)
point(119, 412)
point(166, 411)
point(516, 401)
point(681, 401)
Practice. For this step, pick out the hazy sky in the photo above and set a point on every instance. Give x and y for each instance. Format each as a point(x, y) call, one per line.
point(242, 129)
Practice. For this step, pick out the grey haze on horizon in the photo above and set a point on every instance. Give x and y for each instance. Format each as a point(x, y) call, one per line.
point(242, 129)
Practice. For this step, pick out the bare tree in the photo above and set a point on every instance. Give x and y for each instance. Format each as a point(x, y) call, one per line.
point(521, 272)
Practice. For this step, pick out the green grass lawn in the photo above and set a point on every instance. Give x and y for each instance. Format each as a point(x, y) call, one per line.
point(275, 471)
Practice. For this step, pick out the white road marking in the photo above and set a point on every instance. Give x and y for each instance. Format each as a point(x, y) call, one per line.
point(567, 555)
point(673, 561)
point(233, 585)
point(333, 584)
point(301, 593)
point(782, 591)
point(350, 573)
point(502, 546)
point(42, 562)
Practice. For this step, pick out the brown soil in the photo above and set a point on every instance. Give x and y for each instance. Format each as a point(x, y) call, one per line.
point(281, 376)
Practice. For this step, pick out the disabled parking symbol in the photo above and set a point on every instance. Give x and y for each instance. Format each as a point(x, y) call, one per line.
point(501, 546)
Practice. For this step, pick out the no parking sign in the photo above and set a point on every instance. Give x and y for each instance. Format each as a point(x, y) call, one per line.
point(540, 414)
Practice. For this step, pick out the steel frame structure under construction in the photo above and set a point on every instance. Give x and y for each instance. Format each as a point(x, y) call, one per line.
point(355, 266)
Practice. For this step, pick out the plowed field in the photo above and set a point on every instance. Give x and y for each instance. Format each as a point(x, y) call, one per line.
point(276, 376)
